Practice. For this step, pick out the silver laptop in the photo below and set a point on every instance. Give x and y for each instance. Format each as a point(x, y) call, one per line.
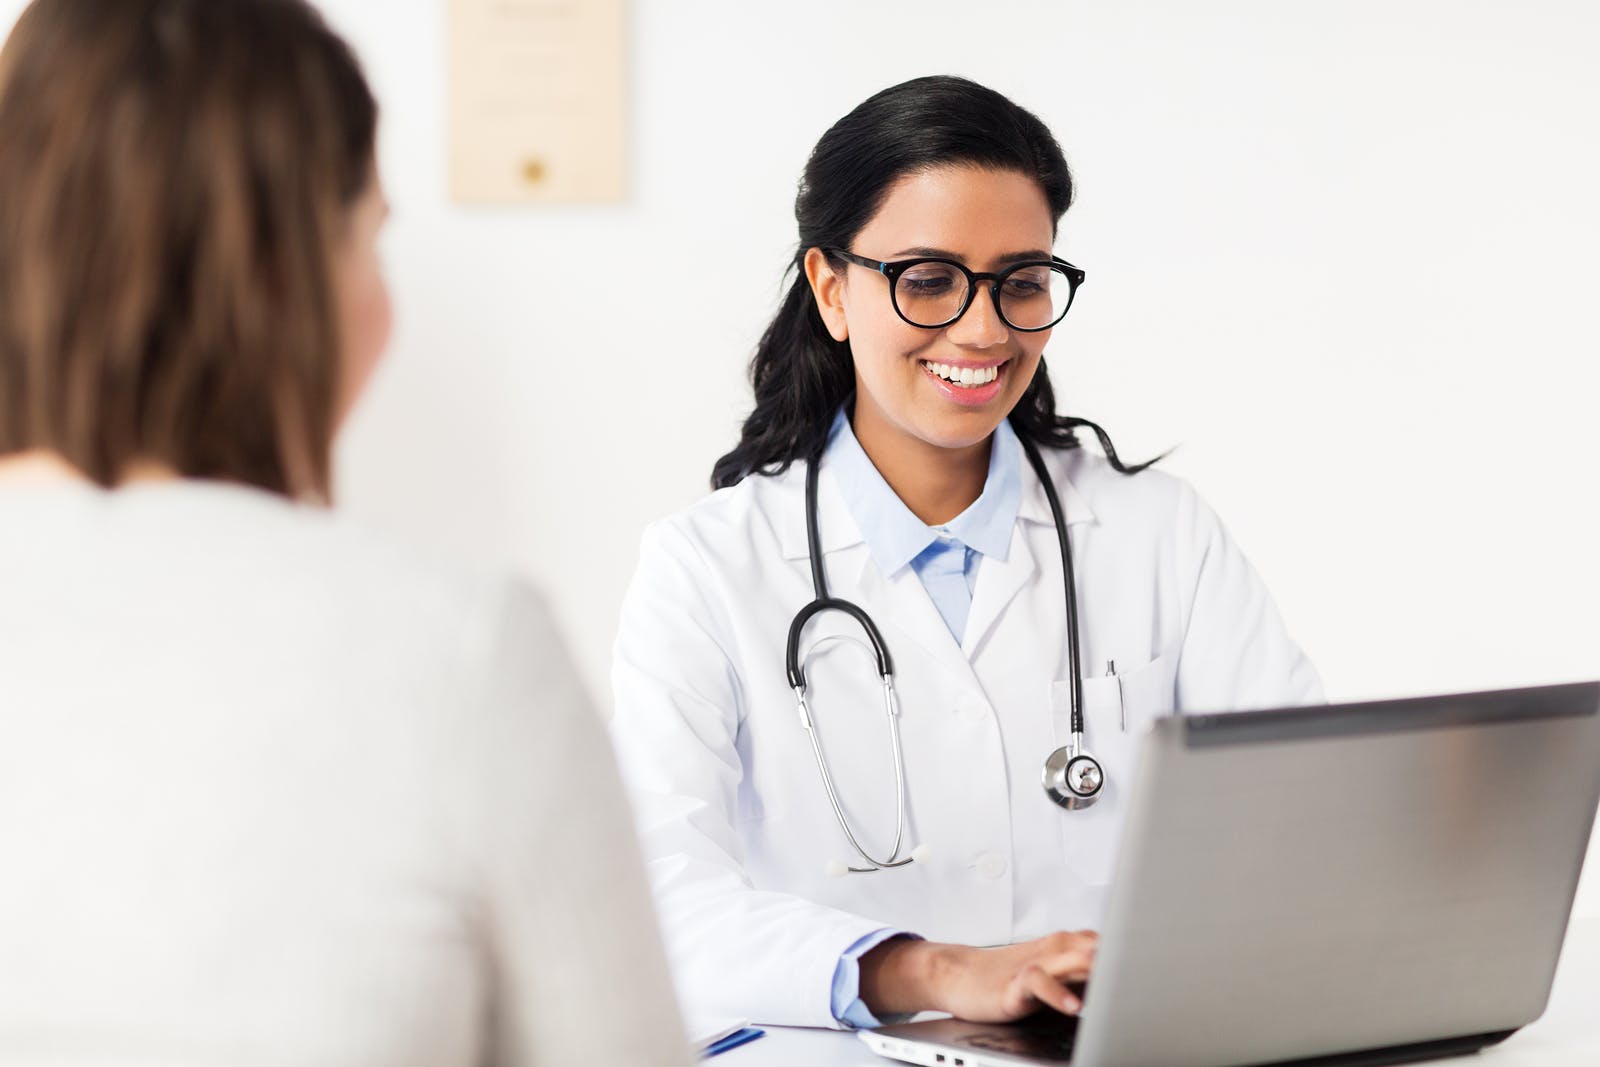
point(1358, 884)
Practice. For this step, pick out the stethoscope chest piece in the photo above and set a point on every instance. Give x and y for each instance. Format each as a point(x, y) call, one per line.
point(1073, 778)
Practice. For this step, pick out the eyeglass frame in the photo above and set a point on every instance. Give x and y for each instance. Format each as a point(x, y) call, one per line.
point(892, 269)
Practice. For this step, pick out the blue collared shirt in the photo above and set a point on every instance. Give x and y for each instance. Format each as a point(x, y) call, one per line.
point(945, 559)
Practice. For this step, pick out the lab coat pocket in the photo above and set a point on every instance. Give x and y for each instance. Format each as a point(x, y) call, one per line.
point(1147, 693)
point(1117, 711)
point(1122, 703)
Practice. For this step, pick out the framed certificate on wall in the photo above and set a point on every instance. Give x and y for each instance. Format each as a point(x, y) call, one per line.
point(538, 108)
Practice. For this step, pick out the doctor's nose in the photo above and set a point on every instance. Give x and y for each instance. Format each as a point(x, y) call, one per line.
point(981, 326)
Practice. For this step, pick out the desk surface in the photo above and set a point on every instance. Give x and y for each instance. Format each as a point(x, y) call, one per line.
point(1567, 1035)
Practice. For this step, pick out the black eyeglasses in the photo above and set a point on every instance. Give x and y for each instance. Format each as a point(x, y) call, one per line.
point(933, 293)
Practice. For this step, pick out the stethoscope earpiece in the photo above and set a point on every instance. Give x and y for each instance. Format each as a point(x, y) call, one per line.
point(839, 868)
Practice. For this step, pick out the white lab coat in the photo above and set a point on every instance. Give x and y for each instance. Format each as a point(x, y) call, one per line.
point(734, 820)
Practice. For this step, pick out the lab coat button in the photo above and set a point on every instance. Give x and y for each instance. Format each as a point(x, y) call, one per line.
point(989, 864)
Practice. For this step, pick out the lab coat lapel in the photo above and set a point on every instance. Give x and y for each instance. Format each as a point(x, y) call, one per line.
point(902, 609)
point(999, 582)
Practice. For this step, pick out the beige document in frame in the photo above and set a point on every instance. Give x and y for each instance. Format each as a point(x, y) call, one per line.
point(537, 100)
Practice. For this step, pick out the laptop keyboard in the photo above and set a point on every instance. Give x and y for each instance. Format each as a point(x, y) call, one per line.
point(1047, 1037)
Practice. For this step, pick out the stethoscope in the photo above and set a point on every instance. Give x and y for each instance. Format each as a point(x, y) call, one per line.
point(1072, 777)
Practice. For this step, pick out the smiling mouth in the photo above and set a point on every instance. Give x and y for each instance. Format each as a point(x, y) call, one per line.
point(964, 377)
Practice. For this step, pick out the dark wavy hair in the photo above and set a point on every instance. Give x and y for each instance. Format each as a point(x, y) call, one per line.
point(800, 373)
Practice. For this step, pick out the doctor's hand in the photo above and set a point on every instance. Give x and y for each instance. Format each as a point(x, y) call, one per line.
point(991, 985)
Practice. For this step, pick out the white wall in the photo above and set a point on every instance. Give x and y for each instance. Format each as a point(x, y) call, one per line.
point(1343, 255)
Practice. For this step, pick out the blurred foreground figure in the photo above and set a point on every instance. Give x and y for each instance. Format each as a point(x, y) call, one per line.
point(271, 792)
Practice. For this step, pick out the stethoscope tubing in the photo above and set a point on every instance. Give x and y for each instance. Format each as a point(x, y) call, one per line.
point(893, 716)
point(822, 602)
point(1069, 579)
point(797, 682)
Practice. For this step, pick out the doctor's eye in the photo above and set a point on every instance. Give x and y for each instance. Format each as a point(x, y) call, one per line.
point(930, 294)
point(1034, 296)
point(931, 279)
point(1027, 283)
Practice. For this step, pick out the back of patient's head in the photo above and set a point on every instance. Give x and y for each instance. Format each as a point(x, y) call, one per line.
point(175, 177)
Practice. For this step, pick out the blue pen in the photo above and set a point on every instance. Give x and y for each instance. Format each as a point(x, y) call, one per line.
point(733, 1040)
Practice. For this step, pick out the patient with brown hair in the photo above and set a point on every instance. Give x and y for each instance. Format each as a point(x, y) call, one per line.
point(271, 791)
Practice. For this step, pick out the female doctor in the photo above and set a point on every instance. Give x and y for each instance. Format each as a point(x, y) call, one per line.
point(830, 831)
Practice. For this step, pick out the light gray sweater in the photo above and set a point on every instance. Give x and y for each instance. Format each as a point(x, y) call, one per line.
point(272, 792)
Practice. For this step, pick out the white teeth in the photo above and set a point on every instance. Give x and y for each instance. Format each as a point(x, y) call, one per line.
point(970, 377)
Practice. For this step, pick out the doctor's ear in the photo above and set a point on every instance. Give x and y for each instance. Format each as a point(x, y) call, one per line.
point(827, 285)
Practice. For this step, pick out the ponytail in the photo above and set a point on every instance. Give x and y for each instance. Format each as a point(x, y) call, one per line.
point(801, 375)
